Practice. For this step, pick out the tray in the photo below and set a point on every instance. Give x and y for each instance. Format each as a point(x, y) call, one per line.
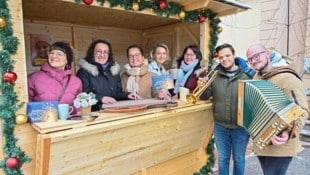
point(125, 109)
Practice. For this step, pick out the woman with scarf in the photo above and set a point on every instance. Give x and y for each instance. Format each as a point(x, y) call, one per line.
point(159, 55)
point(191, 68)
point(136, 78)
point(100, 74)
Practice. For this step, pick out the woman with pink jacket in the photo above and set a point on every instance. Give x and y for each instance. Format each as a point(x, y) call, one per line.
point(48, 83)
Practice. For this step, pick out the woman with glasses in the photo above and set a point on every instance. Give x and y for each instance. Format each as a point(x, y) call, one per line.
point(48, 83)
point(100, 74)
point(192, 68)
point(136, 78)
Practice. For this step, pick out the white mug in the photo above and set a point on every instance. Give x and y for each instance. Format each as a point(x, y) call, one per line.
point(174, 73)
point(183, 93)
point(64, 110)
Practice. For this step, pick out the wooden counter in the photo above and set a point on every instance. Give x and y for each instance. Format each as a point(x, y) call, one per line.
point(153, 141)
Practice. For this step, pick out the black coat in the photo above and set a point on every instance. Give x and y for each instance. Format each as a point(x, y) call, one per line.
point(100, 82)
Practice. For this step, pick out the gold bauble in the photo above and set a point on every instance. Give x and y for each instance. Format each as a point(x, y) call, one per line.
point(3, 22)
point(182, 15)
point(21, 119)
point(135, 6)
point(219, 29)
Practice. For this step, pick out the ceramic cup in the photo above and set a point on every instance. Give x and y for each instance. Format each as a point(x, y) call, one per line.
point(64, 110)
point(183, 92)
point(174, 73)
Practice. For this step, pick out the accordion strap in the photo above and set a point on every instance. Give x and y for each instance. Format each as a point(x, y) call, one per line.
point(278, 71)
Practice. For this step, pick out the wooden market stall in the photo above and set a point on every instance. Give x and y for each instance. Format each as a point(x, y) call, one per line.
point(155, 141)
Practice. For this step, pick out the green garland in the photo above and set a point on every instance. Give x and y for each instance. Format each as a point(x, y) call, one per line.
point(9, 102)
point(173, 8)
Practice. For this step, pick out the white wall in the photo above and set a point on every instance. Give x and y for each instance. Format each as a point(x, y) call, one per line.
point(243, 29)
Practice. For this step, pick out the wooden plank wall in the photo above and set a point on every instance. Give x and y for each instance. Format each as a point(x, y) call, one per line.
point(176, 37)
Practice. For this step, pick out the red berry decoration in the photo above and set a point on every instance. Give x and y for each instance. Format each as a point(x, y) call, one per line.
point(88, 2)
point(215, 54)
point(12, 162)
point(201, 19)
point(162, 4)
point(10, 77)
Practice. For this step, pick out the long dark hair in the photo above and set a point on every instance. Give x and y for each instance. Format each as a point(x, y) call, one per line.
point(90, 52)
point(196, 51)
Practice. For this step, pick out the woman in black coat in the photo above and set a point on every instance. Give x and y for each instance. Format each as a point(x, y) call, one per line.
point(100, 74)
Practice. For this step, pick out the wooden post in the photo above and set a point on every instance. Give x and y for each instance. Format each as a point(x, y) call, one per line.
point(205, 39)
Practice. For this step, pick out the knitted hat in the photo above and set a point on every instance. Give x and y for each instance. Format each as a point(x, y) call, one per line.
point(64, 47)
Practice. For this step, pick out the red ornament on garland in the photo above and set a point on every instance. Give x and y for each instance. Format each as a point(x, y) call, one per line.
point(88, 2)
point(12, 162)
point(215, 54)
point(162, 4)
point(201, 19)
point(10, 77)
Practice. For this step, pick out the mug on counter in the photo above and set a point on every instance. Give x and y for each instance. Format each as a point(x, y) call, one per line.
point(64, 110)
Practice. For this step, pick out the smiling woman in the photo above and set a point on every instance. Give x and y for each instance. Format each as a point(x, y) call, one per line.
point(48, 83)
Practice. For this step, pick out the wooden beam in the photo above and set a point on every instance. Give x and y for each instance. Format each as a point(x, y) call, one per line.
point(194, 5)
point(204, 39)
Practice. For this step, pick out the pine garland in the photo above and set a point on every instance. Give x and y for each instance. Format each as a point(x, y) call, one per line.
point(9, 102)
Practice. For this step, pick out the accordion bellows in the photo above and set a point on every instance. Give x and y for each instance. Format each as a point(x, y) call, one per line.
point(264, 110)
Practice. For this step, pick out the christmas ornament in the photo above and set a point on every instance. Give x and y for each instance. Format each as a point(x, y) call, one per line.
point(219, 29)
point(21, 119)
point(88, 2)
point(201, 19)
point(135, 6)
point(182, 15)
point(3, 22)
point(162, 4)
point(215, 54)
point(12, 162)
point(10, 77)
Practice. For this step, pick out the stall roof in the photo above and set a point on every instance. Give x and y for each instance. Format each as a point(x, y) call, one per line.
point(96, 15)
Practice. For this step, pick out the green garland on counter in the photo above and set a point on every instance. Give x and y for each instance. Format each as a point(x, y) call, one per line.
point(14, 157)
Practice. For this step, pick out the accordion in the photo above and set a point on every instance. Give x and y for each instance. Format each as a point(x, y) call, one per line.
point(264, 110)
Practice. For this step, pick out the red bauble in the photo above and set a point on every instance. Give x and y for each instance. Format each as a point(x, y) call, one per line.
point(12, 162)
point(88, 2)
point(215, 54)
point(202, 19)
point(162, 4)
point(10, 77)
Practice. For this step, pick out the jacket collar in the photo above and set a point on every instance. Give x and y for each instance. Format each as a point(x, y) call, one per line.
point(94, 70)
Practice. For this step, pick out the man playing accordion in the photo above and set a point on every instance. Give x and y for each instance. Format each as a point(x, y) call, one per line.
point(276, 158)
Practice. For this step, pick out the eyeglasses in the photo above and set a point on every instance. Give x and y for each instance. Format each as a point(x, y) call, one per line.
point(100, 52)
point(255, 57)
point(137, 55)
point(57, 53)
point(189, 54)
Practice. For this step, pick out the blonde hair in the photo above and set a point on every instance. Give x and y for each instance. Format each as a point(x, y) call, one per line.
point(152, 52)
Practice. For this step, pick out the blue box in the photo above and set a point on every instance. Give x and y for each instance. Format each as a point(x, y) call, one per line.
point(41, 111)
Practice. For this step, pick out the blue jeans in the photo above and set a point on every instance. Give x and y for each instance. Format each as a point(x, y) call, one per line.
point(231, 141)
point(274, 165)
